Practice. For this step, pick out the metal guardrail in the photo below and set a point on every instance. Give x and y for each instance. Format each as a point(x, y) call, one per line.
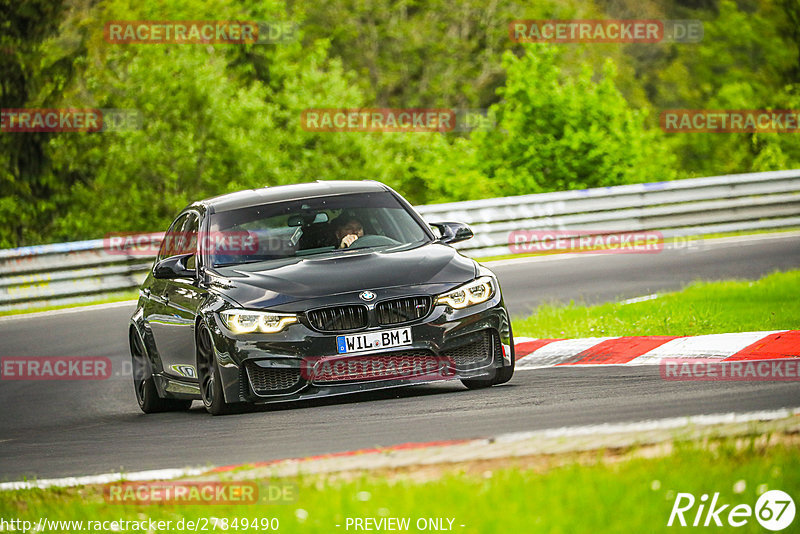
point(73, 272)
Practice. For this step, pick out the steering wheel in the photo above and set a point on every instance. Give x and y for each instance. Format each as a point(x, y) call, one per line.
point(366, 241)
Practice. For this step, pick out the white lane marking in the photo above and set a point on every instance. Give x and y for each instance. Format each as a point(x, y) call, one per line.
point(373, 460)
point(558, 352)
point(634, 300)
point(725, 241)
point(157, 474)
point(533, 259)
point(65, 311)
point(652, 424)
point(716, 346)
point(720, 242)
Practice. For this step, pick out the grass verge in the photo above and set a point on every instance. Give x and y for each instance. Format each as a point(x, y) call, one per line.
point(600, 491)
point(770, 303)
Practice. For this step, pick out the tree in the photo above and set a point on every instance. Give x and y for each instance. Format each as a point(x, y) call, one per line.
point(558, 133)
point(29, 77)
point(215, 119)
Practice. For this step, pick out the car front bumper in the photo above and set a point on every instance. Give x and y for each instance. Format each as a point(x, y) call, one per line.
point(446, 345)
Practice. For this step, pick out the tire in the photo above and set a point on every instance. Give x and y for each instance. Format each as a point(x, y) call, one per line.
point(479, 383)
point(504, 374)
point(501, 375)
point(208, 375)
point(144, 384)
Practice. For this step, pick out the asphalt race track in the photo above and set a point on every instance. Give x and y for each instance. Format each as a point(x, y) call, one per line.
point(56, 428)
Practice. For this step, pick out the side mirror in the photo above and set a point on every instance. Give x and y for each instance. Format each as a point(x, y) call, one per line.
point(453, 232)
point(174, 267)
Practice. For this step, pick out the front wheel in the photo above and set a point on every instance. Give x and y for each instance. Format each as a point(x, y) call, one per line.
point(504, 375)
point(208, 374)
point(501, 375)
point(478, 383)
point(144, 383)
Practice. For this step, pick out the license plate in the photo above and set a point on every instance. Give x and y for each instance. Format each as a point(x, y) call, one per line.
point(373, 340)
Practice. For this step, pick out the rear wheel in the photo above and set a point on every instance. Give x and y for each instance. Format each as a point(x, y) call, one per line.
point(208, 374)
point(144, 383)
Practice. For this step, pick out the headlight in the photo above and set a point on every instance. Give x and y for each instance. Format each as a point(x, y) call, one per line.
point(246, 321)
point(474, 292)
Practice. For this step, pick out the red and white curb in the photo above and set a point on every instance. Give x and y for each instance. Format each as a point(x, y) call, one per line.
point(534, 353)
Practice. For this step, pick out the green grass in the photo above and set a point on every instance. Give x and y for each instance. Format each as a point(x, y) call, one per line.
point(118, 297)
point(589, 493)
point(771, 303)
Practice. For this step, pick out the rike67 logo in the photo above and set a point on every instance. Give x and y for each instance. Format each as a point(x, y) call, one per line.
point(774, 510)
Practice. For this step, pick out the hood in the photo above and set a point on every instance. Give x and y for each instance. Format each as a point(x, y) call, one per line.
point(285, 281)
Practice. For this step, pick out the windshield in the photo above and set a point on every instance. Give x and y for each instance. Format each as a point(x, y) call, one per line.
point(309, 227)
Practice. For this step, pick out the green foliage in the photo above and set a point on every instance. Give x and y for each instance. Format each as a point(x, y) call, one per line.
point(215, 119)
point(748, 59)
point(555, 133)
point(218, 118)
point(26, 78)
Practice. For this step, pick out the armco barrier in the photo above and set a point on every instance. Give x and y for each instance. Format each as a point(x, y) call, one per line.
point(73, 272)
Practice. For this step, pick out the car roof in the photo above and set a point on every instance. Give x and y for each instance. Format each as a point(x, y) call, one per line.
point(279, 193)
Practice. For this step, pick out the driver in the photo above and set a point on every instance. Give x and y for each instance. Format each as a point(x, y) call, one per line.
point(348, 230)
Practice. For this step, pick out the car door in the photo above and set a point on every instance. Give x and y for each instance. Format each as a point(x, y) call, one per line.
point(175, 302)
point(155, 310)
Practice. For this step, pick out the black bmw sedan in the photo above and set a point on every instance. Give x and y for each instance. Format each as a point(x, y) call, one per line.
point(300, 291)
